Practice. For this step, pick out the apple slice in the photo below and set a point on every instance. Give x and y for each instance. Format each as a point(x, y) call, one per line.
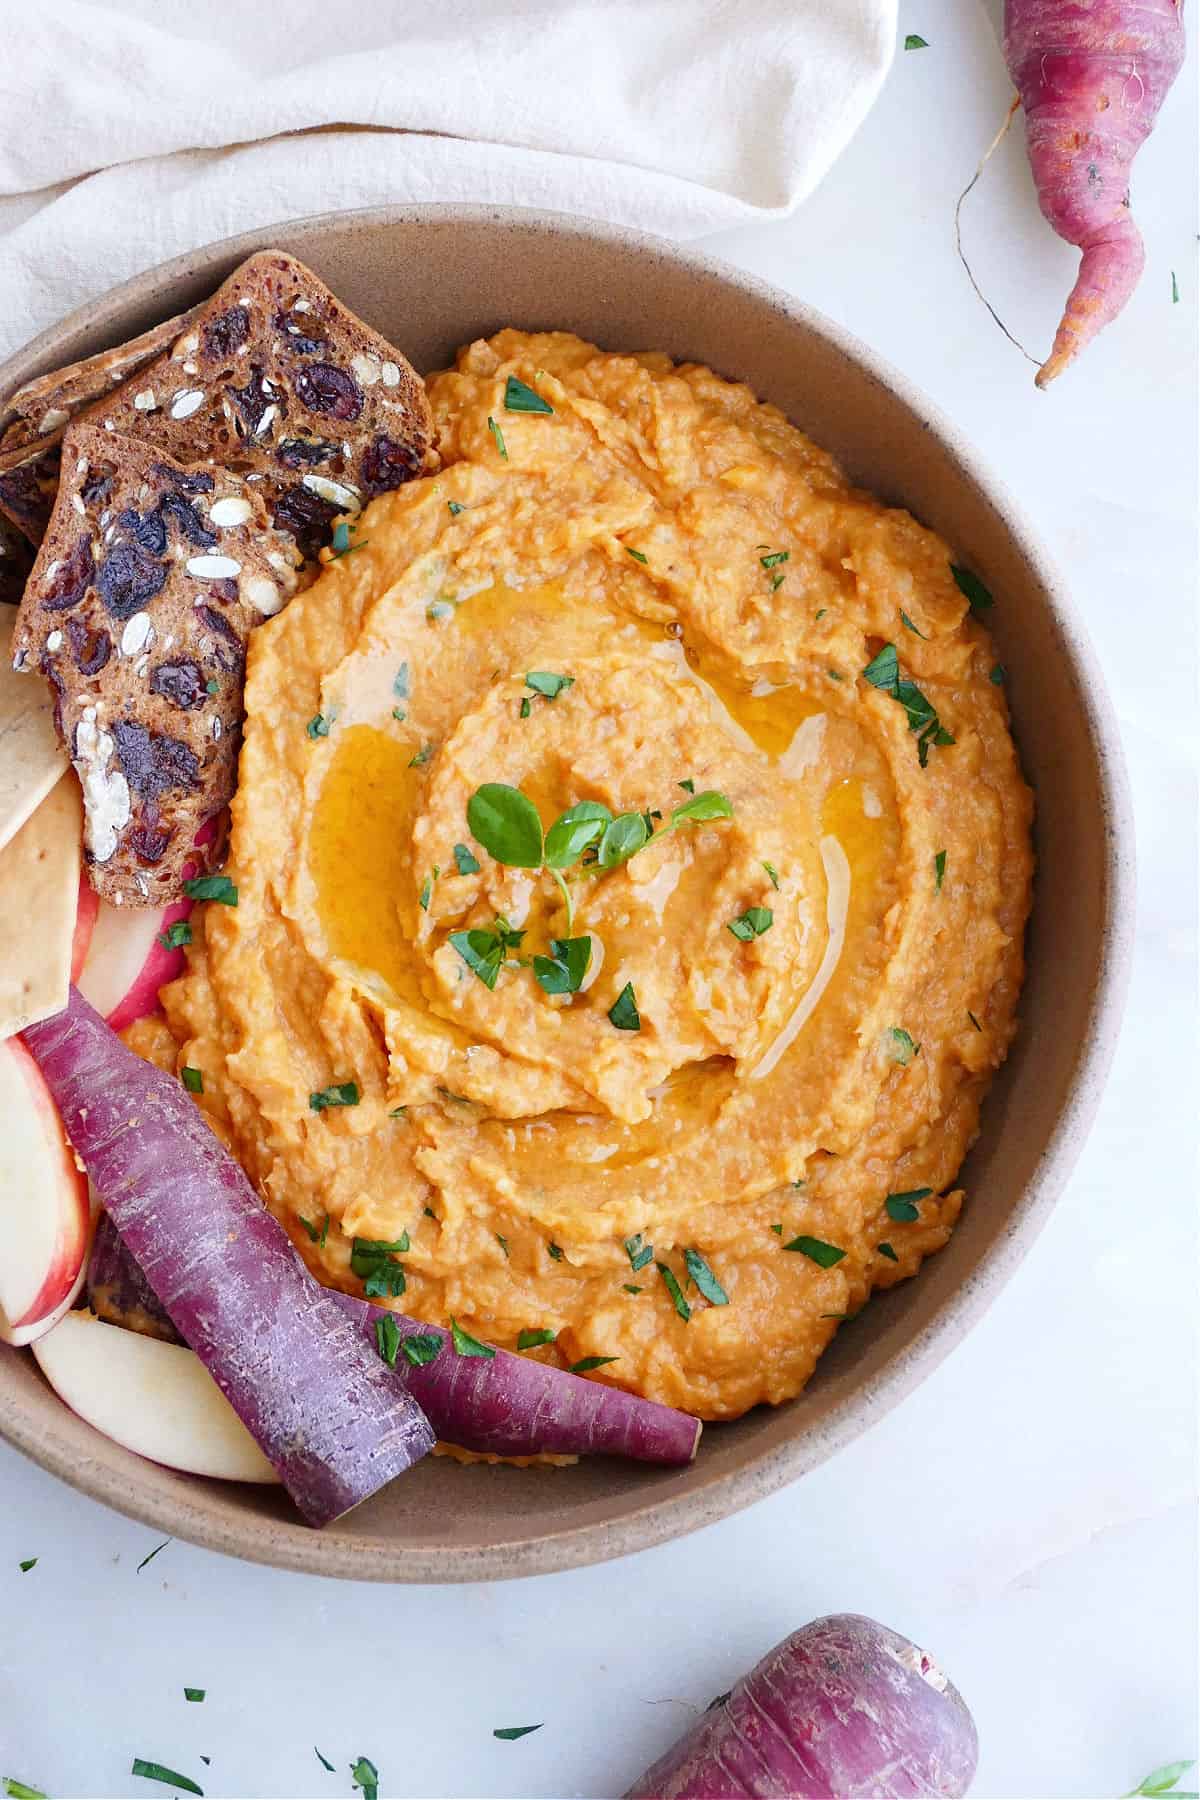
point(86, 909)
point(127, 961)
point(157, 1399)
point(45, 1216)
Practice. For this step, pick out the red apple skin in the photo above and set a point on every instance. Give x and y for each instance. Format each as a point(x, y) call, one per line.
point(85, 924)
point(23, 1087)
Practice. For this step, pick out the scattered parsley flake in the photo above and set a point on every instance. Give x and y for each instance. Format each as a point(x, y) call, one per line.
point(465, 863)
point(824, 1255)
point(420, 1347)
point(152, 1771)
point(904, 1208)
point(373, 1260)
point(399, 714)
point(212, 887)
point(883, 672)
point(777, 581)
point(365, 1775)
point(194, 1694)
point(704, 1279)
point(909, 626)
point(192, 1079)
point(17, 1790)
point(520, 398)
point(30, 1562)
point(901, 1046)
point(426, 894)
point(212, 687)
point(939, 871)
point(637, 555)
point(498, 436)
point(323, 1760)
point(401, 685)
point(556, 1252)
point(340, 1093)
point(387, 1339)
point(630, 1288)
point(152, 1555)
point(318, 726)
point(1174, 289)
point(503, 1243)
point(773, 873)
point(998, 675)
point(623, 1013)
point(977, 595)
point(465, 1344)
point(563, 971)
point(752, 923)
point(639, 1252)
point(913, 42)
point(688, 785)
point(886, 1250)
point(422, 757)
point(318, 1233)
point(587, 1363)
point(511, 1732)
point(526, 707)
point(778, 1230)
point(175, 936)
point(455, 507)
point(546, 683)
point(776, 557)
point(676, 1292)
point(529, 1340)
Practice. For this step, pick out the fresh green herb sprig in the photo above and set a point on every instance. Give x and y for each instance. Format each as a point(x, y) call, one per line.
point(883, 672)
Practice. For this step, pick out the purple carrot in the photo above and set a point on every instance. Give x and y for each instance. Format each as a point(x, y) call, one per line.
point(321, 1406)
point(504, 1405)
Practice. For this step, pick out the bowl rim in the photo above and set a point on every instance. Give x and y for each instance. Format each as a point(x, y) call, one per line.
point(649, 1523)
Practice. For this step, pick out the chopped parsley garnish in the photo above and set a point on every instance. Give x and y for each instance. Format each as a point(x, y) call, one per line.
point(909, 626)
point(426, 894)
point(549, 685)
point(150, 1558)
point(498, 436)
point(456, 507)
point(401, 1112)
point(194, 1694)
point(318, 1233)
point(997, 675)
point(773, 872)
point(323, 1760)
point(420, 1347)
point(775, 558)
point(464, 862)
point(704, 1278)
point(17, 1790)
point(556, 1252)
point(519, 398)
point(688, 785)
point(373, 1260)
point(623, 1013)
point(483, 951)
point(974, 1020)
point(587, 1363)
point(526, 707)
point(399, 714)
point(901, 1048)
point(676, 1292)
point(629, 1288)
point(978, 597)
point(365, 1775)
point(939, 871)
point(913, 42)
point(401, 685)
point(212, 687)
point(341, 1093)
point(562, 972)
point(29, 1563)
point(465, 1344)
point(192, 1079)
point(387, 1339)
point(529, 1340)
point(1174, 289)
point(637, 555)
point(904, 1208)
point(422, 757)
point(778, 1230)
point(824, 1255)
point(752, 923)
point(175, 936)
point(510, 1732)
point(503, 1243)
point(318, 726)
point(883, 671)
point(153, 1771)
point(639, 1252)
point(777, 581)
point(212, 887)
point(886, 1250)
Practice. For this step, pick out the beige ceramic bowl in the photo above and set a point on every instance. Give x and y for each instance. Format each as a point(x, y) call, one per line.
point(432, 278)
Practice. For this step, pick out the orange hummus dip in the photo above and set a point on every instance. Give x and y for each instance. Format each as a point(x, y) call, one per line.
point(682, 1151)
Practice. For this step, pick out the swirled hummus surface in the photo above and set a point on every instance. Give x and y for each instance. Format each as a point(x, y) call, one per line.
point(776, 1112)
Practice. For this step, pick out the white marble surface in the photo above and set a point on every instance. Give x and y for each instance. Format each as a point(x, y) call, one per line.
point(1029, 1512)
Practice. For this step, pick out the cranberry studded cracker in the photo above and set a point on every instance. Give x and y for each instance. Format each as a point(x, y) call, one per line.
point(138, 609)
point(279, 381)
point(44, 405)
point(28, 484)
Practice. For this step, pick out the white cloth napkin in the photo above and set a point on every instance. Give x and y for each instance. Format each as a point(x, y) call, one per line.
point(677, 116)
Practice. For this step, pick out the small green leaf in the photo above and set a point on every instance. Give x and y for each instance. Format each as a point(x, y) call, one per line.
point(883, 670)
point(529, 1340)
point(623, 1013)
point(426, 894)
point(703, 808)
point(212, 687)
point(587, 1363)
point(152, 1555)
point(194, 1694)
point(977, 596)
point(773, 872)
point(373, 1260)
point(465, 1344)
point(676, 1292)
point(562, 972)
point(511, 1732)
point(704, 1278)
point(752, 923)
point(17, 1790)
point(482, 951)
point(998, 675)
point(778, 1230)
point(519, 398)
point(464, 862)
point(212, 887)
point(507, 823)
point(455, 507)
point(909, 626)
point(30, 1562)
point(573, 831)
point(323, 1760)
point(175, 936)
point(913, 42)
point(401, 685)
point(550, 686)
point(421, 758)
point(387, 1339)
point(886, 1250)
point(638, 1252)
point(776, 556)
point(153, 1771)
point(498, 436)
point(1162, 1780)
point(904, 1208)
point(637, 555)
point(629, 1288)
point(555, 1252)
point(939, 871)
point(365, 1775)
point(420, 1347)
point(341, 1093)
point(503, 1243)
point(318, 726)
point(1174, 289)
point(900, 1046)
point(192, 1079)
point(621, 839)
point(821, 1253)
point(318, 1233)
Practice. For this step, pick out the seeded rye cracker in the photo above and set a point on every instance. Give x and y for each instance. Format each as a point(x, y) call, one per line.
point(44, 405)
point(138, 610)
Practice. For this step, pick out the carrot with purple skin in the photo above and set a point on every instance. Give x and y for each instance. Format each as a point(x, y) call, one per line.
point(1092, 75)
